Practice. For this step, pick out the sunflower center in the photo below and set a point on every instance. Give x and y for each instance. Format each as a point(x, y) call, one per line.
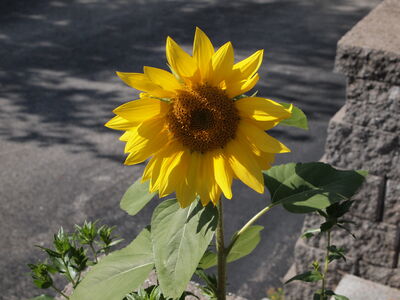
point(203, 118)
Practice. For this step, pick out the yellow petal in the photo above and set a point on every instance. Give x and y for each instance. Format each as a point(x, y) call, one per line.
point(142, 143)
point(234, 89)
point(203, 50)
point(177, 173)
point(186, 191)
point(249, 66)
point(119, 123)
point(260, 139)
point(141, 82)
point(207, 188)
point(151, 172)
point(126, 135)
point(244, 165)
point(265, 160)
point(182, 63)
point(171, 158)
point(162, 78)
point(222, 63)
point(215, 194)
point(205, 177)
point(223, 173)
point(141, 110)
point(261, 109)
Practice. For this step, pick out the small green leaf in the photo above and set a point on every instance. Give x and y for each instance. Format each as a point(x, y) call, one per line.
point(208, 260)
point(136, 197)
point(42, 297)
point(327, 225)
point(315, 264)
point(336, 253)
point(243, 246)
point(340, 297)
point(118, 273)
point(310, 276)
point(180, 237)
point(298, 118)
point(245, 243)
point(307, 187)
point(347, 230)
point(310, 233)
point(338, 209)
point(50, 252)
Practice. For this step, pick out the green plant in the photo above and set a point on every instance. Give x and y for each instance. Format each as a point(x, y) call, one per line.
point(333, 216)
point(70, 257)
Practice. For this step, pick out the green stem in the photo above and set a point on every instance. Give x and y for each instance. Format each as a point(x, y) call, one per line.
point(326, 265)
point(249, 223)
point(59, 291)
point(68, 273)
point(94, 253)
point(221, 287)
point(78, 279)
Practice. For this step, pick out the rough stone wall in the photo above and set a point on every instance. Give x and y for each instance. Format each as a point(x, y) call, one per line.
point(365, 134)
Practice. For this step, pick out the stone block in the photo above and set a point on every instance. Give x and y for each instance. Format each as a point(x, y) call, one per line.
point(356, 147)
point(391, 210)
point(356, 288)
point(375, 243)
point(373, 104)
point(383, 275)
point(367, 201)
point(371, 49)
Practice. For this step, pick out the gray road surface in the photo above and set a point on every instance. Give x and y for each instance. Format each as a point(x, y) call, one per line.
point(59, 165)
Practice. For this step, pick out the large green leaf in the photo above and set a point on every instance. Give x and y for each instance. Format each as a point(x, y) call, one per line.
point(298, 118)
point(136, 197)
point(208, 260)
point(245, 243)
point(118, 273)
point(306, 187)
point(180, 237)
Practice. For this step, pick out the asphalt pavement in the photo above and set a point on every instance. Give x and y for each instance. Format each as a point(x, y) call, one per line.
point(60, 166)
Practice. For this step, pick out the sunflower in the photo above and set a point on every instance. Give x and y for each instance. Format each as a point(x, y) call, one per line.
point(196, 125)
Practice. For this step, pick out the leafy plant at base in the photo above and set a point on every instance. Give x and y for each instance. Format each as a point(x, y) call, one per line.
point(69, 256)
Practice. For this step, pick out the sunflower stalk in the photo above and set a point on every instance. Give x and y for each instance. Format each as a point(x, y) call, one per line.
point(221, 286)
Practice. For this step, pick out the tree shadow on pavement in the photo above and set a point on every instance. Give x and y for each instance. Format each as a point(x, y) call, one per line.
point(58, 58)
